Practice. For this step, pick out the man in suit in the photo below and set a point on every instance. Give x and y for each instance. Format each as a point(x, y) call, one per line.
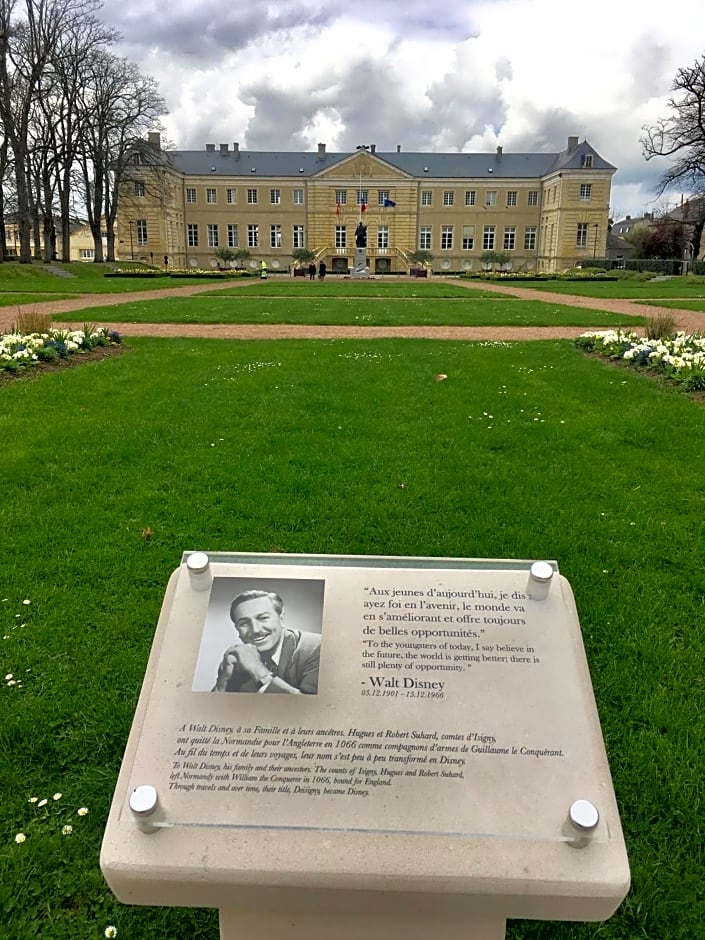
point(269, 657)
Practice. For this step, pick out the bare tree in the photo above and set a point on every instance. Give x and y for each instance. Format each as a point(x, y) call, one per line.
point(681, 136)
point(121, 107)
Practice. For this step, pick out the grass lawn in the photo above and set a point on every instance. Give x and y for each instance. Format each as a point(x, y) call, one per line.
point(689, 286)
point(10, 299)
point(78, 278)
point(394, 310)
point(527, 450)
point(697, 305)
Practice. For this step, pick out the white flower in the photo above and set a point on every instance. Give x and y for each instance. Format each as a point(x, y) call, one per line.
point(110, 931)
point(66, 830)
point(42, 803)
point(26, 601)
point(20, 837)
point(83, 811)
point(33, 799)
point(57, 796)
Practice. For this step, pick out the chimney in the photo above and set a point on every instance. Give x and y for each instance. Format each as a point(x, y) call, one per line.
point(154, 140)
point(236, 149)
point(321, 150)
point(373, 148)
point(398, 148)
point(627, 218)
point(499, 153)
point(223, 149)
point(210, 148)
point(572, 143)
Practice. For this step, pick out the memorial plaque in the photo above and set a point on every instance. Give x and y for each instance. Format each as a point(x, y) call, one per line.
point(396, 724)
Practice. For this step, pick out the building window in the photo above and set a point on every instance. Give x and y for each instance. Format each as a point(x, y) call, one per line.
point(382, 196)
point(192, 230)
point(190, 194)
point(469, 197)
point(533, 199)
point(87, 254)
point(253, 235)
point(275, 196)
point(298, 236)
point(212, 235)
point(341, 197)
point(139, 188)
point(275, 236)
point(530, 238)
point(252, 197)
point(488, 238)
point(298, 197)
point(383, 236)
point(231, 196)
point(427, 198)
point(587, 160)
point(210, 195)
point(511, 197)
point(362, 197)
point(581, 235)
point(141, 231)
point(510, 238)
point(491, 197)
point(340, 237)
point(448, 197)
point(446, 237)
point(468, 237)
point(233, 237)
point(585, 191)
point(425, 238)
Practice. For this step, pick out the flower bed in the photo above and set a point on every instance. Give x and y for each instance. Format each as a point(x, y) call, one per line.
point(18, 351)
point(680, 359)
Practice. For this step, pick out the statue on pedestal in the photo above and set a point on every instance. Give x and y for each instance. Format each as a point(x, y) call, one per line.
point(361, 235)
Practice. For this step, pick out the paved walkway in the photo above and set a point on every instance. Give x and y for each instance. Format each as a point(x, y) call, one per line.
point(685, 319)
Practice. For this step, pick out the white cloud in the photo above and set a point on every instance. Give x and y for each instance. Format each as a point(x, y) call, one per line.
point(464, 75)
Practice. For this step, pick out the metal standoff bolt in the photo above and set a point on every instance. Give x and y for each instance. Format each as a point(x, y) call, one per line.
point(540, 575)
point(584, 815)
point(144, 801)
point(198, 566)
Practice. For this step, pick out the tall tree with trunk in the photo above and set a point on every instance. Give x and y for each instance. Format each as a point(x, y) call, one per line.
point(681, 137)
point(120, 107)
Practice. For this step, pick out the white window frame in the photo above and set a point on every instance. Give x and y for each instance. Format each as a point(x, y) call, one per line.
point(233, 235)
point(192, 234)
point(448, 197)
point(362, 195)
point(530, 238)
point(231, 196)
point(211, 195)
point(425, 237)
point(141, 227)
point(491, 197)
point(253, 235)
point(585, 192)
point(190, 194)
point(139, 188)
point(427, 197)
point(298, 237)
point(488, 238)
point(383, 236)
point(382, 196)
point(510, 237)
point(251, 197)
point(581, 235)
point(275, 236)
point(298, 197)
point(532, 197)
point(511, 197)
point(341, 197)
point(213, 239)
point(446, 237)
point(470, 197)
point(275, 197)
point(341, 236)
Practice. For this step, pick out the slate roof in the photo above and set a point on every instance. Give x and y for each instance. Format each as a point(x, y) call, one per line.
point(259, 163)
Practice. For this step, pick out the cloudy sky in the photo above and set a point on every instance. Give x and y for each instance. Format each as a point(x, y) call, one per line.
point(461, 75)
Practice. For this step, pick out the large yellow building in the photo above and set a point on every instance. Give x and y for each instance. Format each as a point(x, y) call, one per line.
point(544, 211)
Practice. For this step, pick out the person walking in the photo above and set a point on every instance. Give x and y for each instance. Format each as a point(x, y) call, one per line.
point(321, 271)
point(312, 271)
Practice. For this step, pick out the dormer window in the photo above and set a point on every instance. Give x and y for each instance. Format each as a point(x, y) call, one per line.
point(587, 160)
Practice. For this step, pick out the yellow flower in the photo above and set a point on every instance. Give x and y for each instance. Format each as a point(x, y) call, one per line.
point(20, 837)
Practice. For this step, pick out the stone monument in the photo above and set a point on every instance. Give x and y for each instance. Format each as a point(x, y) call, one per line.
point(437, 767)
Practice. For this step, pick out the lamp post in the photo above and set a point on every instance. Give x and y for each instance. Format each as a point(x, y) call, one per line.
point(596, 226)
point(132, 246)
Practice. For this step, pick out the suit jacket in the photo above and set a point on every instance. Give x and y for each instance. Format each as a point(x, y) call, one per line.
point(298, 666)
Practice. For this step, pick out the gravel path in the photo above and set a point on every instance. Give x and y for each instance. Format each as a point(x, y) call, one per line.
point(685, 319)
